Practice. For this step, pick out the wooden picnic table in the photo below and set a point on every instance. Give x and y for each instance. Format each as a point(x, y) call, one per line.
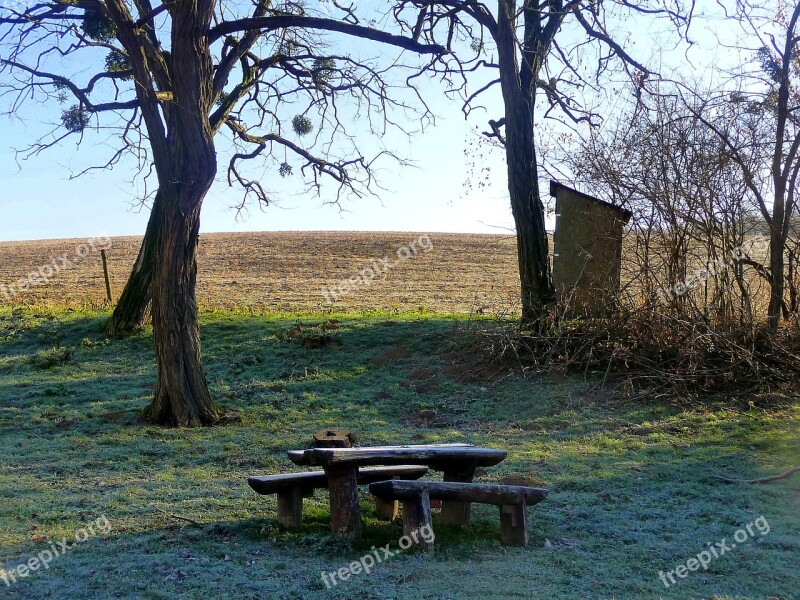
point(456, 461)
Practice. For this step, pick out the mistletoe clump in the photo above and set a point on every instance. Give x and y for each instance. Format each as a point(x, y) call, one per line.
point(302, 125)
point(117, 62)
point(75, 119)
point(769, 64)
point(289, 48)
point(97, 26)
point(323, 68)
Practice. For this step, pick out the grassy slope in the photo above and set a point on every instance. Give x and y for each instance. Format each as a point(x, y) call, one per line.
point(624, 504)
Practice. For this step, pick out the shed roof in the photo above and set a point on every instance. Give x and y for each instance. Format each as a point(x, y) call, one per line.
point(555, 186)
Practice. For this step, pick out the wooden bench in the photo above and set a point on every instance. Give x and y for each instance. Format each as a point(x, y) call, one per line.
point(416, 498)
point(291, 488)
point(456, 461)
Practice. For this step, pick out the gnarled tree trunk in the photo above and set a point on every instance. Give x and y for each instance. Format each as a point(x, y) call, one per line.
point(182, 396)
point(134, 303)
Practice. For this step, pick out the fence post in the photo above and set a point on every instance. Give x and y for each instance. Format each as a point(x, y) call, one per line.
point(105, 274)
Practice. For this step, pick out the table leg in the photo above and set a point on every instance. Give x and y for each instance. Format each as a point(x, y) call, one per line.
point(343, 493)
point(457, 513)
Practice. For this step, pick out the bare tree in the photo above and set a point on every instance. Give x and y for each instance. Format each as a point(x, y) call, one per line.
point(692, 209)
point(757, 118)
point(175, 75)
point(531, 49)
point(307, 78)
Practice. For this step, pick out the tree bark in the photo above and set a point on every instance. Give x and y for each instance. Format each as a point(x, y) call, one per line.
point(133, 306)
point(533, 254)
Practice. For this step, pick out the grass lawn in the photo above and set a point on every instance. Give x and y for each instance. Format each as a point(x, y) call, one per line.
point(632, 483)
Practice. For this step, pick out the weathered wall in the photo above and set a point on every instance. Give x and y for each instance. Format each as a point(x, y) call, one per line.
point(587, 251)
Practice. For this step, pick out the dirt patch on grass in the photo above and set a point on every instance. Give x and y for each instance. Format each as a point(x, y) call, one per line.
point(394, 353)
point(430, 419)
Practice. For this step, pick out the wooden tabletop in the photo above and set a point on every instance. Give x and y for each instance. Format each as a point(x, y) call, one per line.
point(437, 456)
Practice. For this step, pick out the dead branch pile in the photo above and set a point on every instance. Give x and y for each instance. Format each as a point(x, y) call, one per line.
point(647, 350)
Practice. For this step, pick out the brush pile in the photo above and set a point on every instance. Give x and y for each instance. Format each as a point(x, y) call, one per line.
point(648, 351)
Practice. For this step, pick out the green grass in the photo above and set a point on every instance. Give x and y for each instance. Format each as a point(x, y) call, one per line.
point(632, 486)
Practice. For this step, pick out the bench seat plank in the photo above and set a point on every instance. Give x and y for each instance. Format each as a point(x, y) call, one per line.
point(311, 480)
point(272, 484)
point(483, 493)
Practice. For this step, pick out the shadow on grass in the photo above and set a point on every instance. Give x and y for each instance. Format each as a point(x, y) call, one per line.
point(632, 487)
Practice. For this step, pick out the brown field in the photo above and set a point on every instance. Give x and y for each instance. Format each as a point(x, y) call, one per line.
point(286, 272)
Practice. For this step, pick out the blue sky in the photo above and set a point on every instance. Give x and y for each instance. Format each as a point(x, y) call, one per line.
point(39, 200)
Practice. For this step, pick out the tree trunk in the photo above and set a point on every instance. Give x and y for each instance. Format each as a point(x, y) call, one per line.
point(182, 397)
point(791, 279)
point(186, 169)
point(776, 269)
point(532, 244)
point(523, 180)
point(777, 238)
point(134, 304)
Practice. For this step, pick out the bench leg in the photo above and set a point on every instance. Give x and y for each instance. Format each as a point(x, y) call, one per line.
point(513, 525)
point(457, 513)
point(387, 511)
point(345, 512)
point(290, 507)
point(416, 515)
